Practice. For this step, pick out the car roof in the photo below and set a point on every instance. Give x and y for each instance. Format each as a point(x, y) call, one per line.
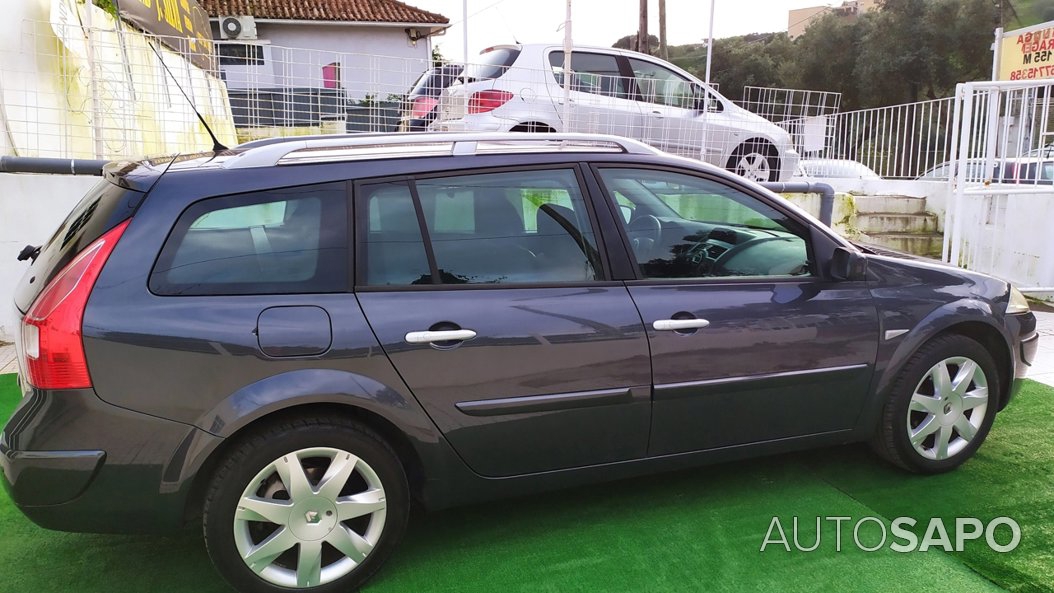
point(272, 152)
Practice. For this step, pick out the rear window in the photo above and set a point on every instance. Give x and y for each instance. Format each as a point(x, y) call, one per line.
point(432, 82)
point(490, 65)
point(293, 240)
point(101, 209)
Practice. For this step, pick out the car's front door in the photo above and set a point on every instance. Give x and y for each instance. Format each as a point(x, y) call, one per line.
point(749, 343)
point(671, 120)
point(488, 294)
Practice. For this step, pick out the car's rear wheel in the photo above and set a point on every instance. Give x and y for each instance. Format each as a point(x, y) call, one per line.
point(313, 504)
point(941, 407)
point(756, 161)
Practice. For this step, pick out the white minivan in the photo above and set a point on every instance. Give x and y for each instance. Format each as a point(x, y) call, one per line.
point(612, 91)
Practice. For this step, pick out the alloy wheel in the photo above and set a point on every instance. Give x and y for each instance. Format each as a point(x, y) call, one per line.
point(947, 408)
point(754, 166)
point(310, 517)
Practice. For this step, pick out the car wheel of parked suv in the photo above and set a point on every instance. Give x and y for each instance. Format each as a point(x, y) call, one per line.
point(941, 407)
point(313, 503)
point(755, 161)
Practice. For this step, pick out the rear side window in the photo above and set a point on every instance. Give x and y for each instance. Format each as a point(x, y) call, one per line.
point(497, 228)
point(293, 240)
point(490, 65)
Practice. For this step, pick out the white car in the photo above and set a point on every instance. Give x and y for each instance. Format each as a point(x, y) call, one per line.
point(834, 169)
point(612, 91)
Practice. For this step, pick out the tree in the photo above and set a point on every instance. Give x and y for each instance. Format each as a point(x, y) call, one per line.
point(629, 42)
point(825, 58)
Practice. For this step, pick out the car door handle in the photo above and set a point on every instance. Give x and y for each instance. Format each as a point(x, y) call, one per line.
point(656, 114)
point(679, 324)
point(427, 337)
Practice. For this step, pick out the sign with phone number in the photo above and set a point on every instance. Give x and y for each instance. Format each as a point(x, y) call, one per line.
point(1027, 54)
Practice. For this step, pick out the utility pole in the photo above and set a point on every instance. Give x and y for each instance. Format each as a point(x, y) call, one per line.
point(642, 29)
point(710, 43)
point(664, 51)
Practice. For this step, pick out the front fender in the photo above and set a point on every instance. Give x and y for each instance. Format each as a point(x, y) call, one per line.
point(894, 354)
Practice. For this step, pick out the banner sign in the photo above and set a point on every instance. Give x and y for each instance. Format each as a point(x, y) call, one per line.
point(1027, 54)
point(182, 25)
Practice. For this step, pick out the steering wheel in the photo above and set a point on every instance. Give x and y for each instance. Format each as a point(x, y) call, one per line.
point(720, 265)
point(645, 232)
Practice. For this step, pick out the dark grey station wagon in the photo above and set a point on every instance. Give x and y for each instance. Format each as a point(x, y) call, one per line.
point(295, 340)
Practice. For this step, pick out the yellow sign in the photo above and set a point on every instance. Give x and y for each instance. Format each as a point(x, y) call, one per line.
point(1027, 54)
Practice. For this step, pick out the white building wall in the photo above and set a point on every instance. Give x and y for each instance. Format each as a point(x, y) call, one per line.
point(374, 60)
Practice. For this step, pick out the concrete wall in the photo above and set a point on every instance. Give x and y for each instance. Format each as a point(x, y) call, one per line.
point(31, 208)
point(937, 193)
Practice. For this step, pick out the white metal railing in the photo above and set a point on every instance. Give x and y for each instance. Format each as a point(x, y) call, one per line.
point(897, 142)
point(79, 92)
point(117, 101)
point(1002, 176)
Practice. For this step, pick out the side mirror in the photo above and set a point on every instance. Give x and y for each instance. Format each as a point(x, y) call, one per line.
point(847, 265)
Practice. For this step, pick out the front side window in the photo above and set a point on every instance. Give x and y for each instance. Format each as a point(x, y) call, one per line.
point(657, 84)
point(517, 227)
point(292, 240)
point(681, 226)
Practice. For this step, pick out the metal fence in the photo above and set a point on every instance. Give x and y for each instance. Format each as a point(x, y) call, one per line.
point(72, 91)
point(1002, 173)
point(90, 92)
point(898, 142)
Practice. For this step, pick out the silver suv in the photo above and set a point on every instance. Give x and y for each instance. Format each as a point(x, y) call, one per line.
point(521, 88)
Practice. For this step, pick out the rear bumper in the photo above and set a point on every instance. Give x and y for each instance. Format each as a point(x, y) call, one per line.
point(483, 122)
point(72, 462)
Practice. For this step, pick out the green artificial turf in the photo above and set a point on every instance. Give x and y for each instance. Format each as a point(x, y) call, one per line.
point(688, 531)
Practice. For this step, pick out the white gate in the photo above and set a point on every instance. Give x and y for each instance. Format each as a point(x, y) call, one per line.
point(1000, 219)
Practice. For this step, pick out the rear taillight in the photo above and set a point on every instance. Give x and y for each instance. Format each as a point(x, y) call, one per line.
point(484, 101)
point(51, 331)
point(423, 106)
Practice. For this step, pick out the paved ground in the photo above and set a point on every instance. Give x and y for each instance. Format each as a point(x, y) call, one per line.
point(1042, 370)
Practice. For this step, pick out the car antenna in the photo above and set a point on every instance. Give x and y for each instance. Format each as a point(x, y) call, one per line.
point(217, 146)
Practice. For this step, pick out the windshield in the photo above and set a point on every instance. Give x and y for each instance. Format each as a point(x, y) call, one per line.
point(490, 65)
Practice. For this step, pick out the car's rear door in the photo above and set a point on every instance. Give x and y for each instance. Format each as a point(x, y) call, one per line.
point(749, 342)
point(489, 295)
point(599, 93)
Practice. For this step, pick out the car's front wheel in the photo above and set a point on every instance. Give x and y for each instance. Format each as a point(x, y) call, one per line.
point(941, 407)
point(315, 504)
point(755, 161)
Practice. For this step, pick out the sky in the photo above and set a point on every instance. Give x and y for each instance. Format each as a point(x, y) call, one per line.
point(601, 22)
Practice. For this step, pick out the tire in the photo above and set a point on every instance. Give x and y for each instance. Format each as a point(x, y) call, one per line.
point(947, 429)
point(294, 516)
point(755, 161)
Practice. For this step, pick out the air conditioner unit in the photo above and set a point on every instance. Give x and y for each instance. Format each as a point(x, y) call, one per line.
point(237, 27)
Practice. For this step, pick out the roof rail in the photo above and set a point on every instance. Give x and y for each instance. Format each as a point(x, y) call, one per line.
point(346, 147)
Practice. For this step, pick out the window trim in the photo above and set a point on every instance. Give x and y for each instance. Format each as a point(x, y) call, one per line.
point(179, 226)
point(815, 274)
point(359, 280)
